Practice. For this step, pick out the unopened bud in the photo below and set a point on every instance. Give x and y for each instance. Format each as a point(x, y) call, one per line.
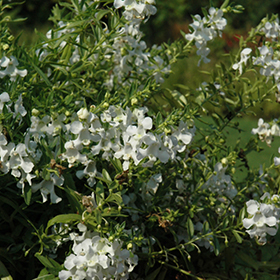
point(224, 161)
point(106, 105)
point(5, 47)
point(134, 101)
point(35, 112)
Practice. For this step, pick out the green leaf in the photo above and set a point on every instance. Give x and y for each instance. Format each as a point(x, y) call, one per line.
point(101, 13)
point(106, 175)
point(74, 200)
point(237, 236)
point(99, 191)
point(242, 215)
point(117, 164)
point(51, 266)
point(47, 261)
point(41, 73)
point(66, 54)
point(225, 4)
point(205, 227)
point(115, 197)
point(5, 275)
point(98, 216)
point(216, 245)
point(64, 218)
point(153, 275)
point(190, 227)
point(106, 178)
point(247, 259)
point(162, 274)
point(27, 193)
point(181, 99)
point(68, 99)
point(45, 275)
point(159, 119)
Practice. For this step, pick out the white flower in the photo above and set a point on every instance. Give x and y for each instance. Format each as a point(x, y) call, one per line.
point(47, 187)
point(19, 108)
point(205, 241)
point(134, 9)
point(20, 159)
point(126, 153)
point(216, 19)
point(277, 159)
point(244, 56)
point(84, 136)
point(83, 114)
point(206, 29)
point(220, 183)
point(153, 183)
point(271, 29)
point(262, 220)
point(97, 258)
point(11, 69)
point(263, 131)
point(90, 171)
point(4, 98)
point(25, 177)
point(72, 154)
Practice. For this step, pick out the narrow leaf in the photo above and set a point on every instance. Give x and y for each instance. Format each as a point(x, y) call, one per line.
point(237, 236)
point(64, 218)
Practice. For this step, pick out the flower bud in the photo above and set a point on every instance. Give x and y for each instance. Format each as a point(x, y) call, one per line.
point(5, 47)
point(107, 95)
point(224, 161)
point(134, 101)
point(35, 112)
point(105, 105)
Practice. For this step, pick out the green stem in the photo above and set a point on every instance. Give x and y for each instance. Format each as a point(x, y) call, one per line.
point(180, 270)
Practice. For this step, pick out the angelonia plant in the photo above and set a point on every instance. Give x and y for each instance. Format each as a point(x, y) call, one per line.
point(106, 173)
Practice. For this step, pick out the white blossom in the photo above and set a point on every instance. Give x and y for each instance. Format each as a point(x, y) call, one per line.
point(47, 187)
point(10, 65)
point(262, 220)
point(244, 56)
point(97, 258)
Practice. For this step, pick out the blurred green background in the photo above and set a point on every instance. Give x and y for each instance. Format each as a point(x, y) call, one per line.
point(171, 17)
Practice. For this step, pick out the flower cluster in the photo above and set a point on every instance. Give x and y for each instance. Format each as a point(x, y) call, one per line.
point(220, 183)
point(122, 134)
point(265, 132)
point(271, 29)
point(98, 258)
point(264, 218)
point(136, 9)
point(126, 54)
point(269, 63)
point(206, 29)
